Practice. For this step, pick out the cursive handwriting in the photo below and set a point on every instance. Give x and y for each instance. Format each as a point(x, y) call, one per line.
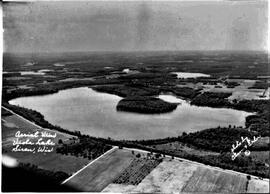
point(34, 142)
point(19, 134)
point(17, 141)
point(42, 142)
point(47, 134)
point(44, 149)
point(19, 148)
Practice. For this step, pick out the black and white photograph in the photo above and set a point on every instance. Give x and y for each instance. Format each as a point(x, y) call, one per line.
point(125, 96)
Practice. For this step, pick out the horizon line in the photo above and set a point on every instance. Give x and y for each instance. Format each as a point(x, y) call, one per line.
point(130, 51)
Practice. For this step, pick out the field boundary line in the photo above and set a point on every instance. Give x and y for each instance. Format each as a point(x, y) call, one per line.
point(22, 117)
point(109, 151)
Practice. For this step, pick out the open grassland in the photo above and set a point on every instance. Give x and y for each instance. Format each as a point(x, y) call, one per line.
point(102, 172)
point(173, 176)
point(49, 161)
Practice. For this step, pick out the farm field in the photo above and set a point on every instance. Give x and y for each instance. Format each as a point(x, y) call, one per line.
point(52, 161)
point(117, 188)
point(178, 176)
point(258, 186)
point(49, 161)
point(102, 172)
point(240, 92)
point(138, 169)
point(206, 180)
point(167, 177)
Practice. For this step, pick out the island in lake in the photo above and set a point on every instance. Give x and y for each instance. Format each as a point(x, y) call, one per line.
point(144, 104)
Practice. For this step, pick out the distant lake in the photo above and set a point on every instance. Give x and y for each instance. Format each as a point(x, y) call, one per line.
point(39, 72)
point(95, 114)
point(189, 75)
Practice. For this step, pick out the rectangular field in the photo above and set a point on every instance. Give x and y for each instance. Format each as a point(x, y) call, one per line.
point(173, 176)
point(208, 180)
point(138, 169)
point(102, 172)
point(167, 177)
point(258, 186)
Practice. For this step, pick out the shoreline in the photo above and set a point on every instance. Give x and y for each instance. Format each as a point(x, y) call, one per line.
point(155, 96)
point(132, 145)
point(161, 93)
point(143, 144)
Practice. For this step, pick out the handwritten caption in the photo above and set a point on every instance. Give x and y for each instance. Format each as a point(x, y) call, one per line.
point(243, 146)
point(34, 142)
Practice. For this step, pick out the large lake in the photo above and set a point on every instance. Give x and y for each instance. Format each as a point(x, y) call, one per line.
point(95, 114)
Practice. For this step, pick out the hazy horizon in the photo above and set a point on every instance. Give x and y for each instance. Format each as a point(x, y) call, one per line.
point(140, 51)
point(59, 27)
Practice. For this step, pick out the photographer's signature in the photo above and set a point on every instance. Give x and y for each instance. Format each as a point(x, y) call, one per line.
point(244, 144)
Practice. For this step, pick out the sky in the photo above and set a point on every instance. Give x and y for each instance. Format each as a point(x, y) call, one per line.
point(135, 26)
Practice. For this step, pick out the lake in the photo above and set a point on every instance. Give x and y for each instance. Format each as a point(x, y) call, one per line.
point(95, 114)
point(39, 72)
point(185, 75)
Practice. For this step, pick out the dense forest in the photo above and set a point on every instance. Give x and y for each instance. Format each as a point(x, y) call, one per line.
point(212, 99)
point(258, 122)
point(218, 139)
point(127, 90)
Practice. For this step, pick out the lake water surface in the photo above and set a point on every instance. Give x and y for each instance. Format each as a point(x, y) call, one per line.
point(95, 114)
point(39, 72)
point(190, 75)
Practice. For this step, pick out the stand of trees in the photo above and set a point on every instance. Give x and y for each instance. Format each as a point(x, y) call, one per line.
point(86, 147)
point(127, 90)
point(217, 139)
point(148, 105)
point(258, 122)
point(212, 99)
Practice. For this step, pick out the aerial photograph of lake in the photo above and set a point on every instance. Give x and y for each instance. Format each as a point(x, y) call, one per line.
point(95, 114)
point(135, 96)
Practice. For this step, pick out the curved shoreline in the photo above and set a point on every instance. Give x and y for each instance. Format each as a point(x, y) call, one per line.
point(36, 93)
point(49, 125)
point(145, 105)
